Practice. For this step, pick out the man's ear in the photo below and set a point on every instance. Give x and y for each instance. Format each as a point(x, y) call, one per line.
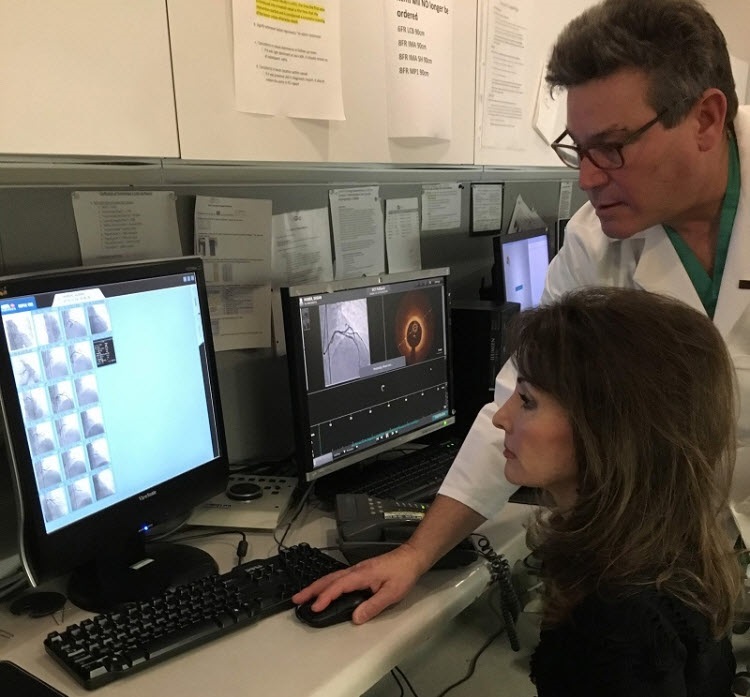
point(710, 112)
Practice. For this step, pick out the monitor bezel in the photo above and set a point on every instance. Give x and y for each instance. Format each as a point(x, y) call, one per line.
point(296, 365)
point(46, 555)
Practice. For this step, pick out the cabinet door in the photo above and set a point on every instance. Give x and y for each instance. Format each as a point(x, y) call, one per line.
point(86, 77)
point(211, 128)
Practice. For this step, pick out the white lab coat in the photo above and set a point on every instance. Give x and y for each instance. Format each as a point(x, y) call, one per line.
point(648, 261)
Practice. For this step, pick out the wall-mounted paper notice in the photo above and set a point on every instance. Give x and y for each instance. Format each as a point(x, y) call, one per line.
point(301, 250)
point(233, 236)
point(441, 206)
point(486, 207)
point(287, 58)
point(357, 231)
point(126, 225)
point(402, 234)
point(503, 66)
point(419, 70)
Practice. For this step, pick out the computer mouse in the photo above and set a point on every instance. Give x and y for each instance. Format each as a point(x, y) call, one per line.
point(338, 610)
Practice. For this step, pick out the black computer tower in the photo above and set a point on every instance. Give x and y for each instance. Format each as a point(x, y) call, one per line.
point(479, 338)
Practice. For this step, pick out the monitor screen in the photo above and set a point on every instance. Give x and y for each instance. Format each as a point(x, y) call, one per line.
point(369, 365)
point(111, 406)
point(521, 262)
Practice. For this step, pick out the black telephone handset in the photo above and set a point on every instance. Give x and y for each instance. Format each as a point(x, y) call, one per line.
point(369, 526)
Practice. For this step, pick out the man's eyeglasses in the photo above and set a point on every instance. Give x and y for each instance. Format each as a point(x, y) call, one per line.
point(603, 156)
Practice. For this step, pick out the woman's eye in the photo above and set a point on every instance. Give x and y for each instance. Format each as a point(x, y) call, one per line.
point(526, 401)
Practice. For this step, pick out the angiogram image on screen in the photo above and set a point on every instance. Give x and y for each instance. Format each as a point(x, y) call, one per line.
point(61, 396)
point(63, 414)
point(18, 332)
point(35, 404)
point(54, 504)
point(26, 369)
point(74, 461)
point(345, 336)
point(99, 321)
point(48, 330)
point(74, 322)
point(81, 358)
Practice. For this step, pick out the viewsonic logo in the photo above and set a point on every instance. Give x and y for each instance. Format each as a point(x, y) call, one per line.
point(148, 495)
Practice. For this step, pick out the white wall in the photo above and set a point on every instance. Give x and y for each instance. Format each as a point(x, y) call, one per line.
point(733, 16)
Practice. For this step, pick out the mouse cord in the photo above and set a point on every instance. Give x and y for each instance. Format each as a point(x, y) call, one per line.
point(398, 682)
point(477, 655)
point(472, 664)
point(395, 673)
point(300, 505)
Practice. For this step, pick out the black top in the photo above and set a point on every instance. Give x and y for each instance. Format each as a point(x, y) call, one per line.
point(645, 645)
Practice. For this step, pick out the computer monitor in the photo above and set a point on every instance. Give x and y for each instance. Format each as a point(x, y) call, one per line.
point(113, 421)
point(520, 267)
point(370, 365)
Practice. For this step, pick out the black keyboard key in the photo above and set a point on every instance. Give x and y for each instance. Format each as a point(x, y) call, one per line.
point(181, 639)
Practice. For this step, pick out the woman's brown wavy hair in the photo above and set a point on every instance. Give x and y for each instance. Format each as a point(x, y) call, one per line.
point(649, 388)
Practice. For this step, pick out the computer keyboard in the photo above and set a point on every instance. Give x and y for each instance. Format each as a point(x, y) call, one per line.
point(415, 476)
point(113, 645)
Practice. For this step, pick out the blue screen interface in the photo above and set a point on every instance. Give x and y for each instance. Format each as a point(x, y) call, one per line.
point(113, 386)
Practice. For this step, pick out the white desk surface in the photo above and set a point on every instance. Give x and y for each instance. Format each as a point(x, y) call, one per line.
point(278, 655)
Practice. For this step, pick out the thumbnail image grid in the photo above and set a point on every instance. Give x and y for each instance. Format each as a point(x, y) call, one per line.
point(54, 365)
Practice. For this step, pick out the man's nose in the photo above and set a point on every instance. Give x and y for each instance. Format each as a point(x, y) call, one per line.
point(589, 175)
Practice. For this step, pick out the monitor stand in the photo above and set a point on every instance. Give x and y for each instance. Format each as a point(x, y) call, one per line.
point(148, 570)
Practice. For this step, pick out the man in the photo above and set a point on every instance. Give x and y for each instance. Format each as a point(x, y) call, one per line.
point(654, 128)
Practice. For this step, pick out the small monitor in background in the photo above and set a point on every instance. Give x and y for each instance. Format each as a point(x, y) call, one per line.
point(520, 267)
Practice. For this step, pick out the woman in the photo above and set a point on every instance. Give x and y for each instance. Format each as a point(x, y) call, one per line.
point(624, 414)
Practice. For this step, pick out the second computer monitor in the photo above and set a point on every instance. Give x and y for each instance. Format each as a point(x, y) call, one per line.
point(521, 262)
point(369, 365)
